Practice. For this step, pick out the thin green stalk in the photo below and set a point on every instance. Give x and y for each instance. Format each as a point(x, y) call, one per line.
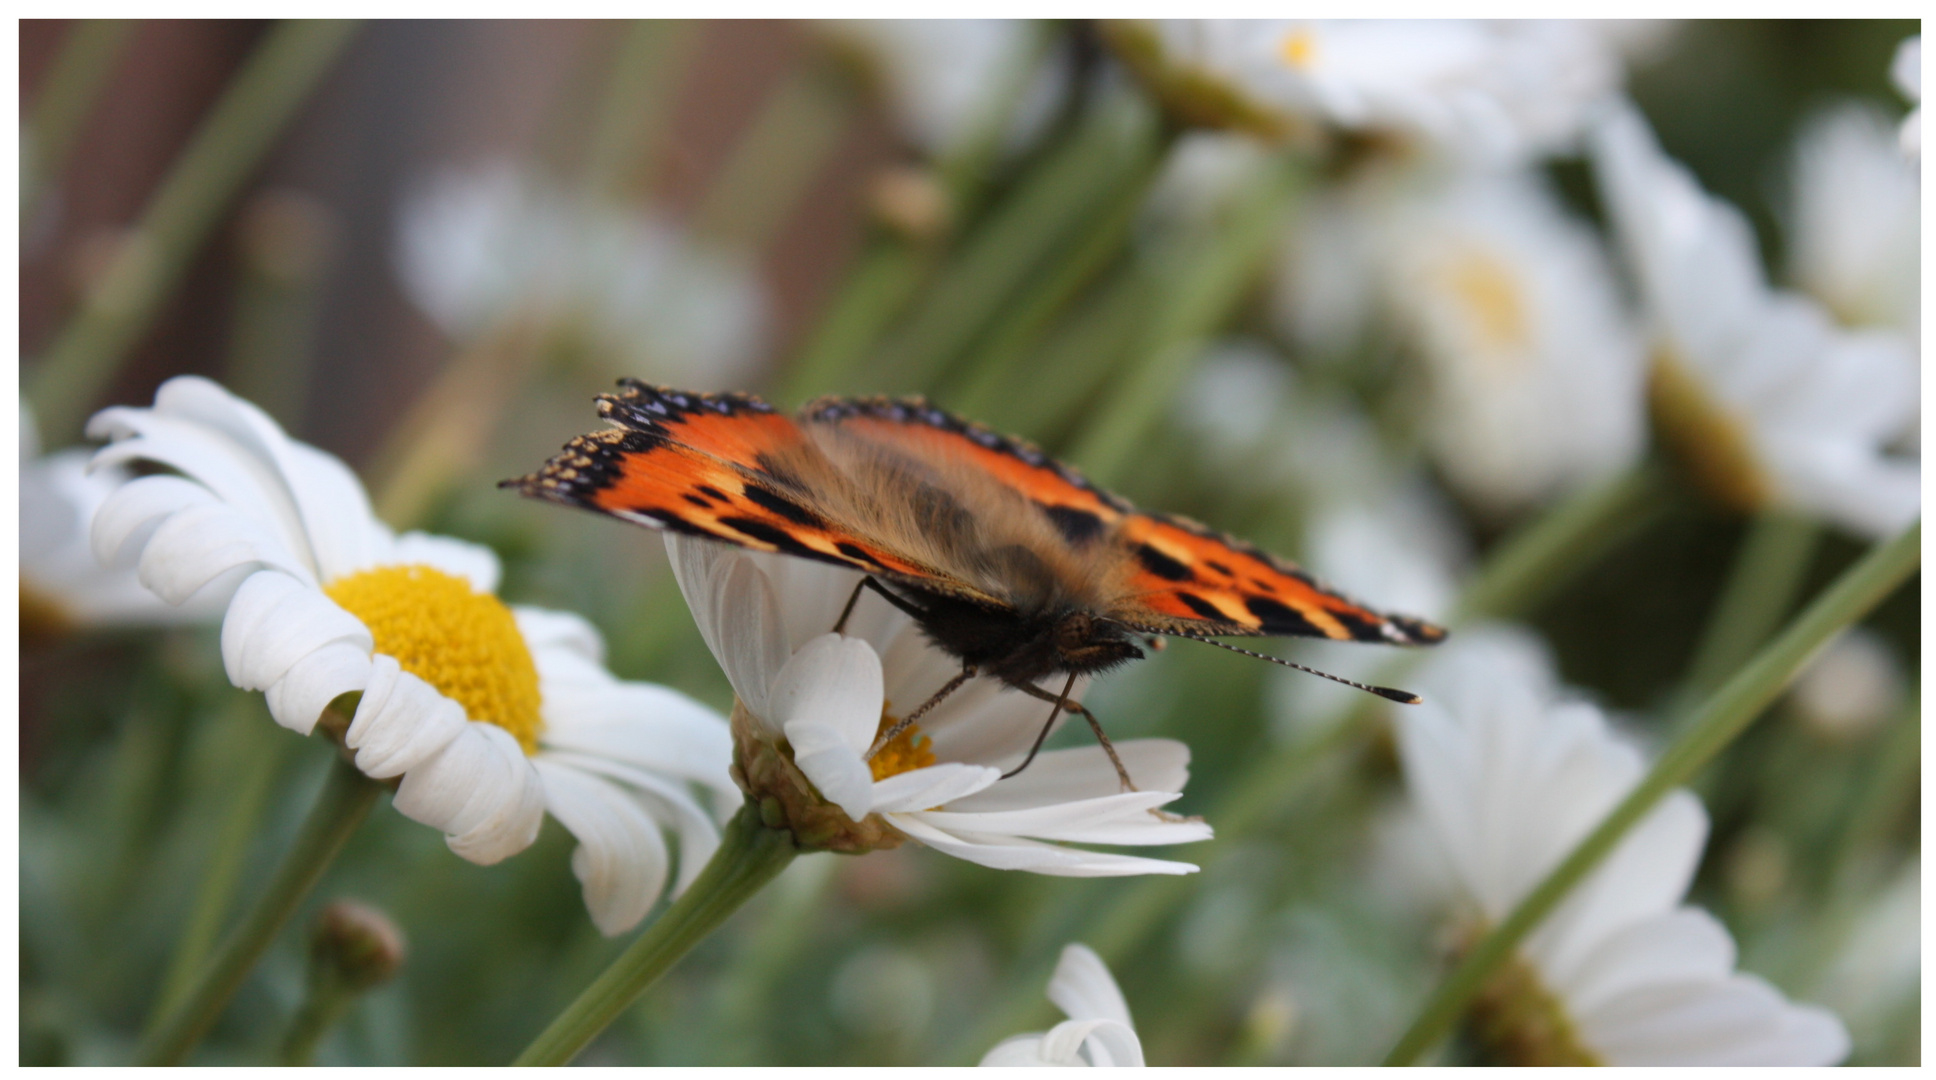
point(647, 67)
point(340, 807)
point(324, 1005)
point(224, 870)
point(1760, 590)
point(749, 856)
point(1008, 344)
point(1027, 228)
point(1724, 716)
point(81, 71)
point(224, 152)
point(1522, 571)
point(798, 126)
point(1207, 284)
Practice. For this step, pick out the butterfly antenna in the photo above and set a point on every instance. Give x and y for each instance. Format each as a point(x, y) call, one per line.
point(1403, 697)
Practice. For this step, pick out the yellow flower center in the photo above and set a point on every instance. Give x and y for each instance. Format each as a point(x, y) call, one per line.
point(1299, 48)
point(906, 752)
point(1493, 300)
point(1715, 445)
point(461, 641)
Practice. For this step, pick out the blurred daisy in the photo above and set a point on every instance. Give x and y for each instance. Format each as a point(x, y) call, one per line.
point(949, 80)
point(1509, 777)
point(477, 245)
point(1906, 71)
point(1875, 975)
point(828, 697)
point(1851, 688)
point(62, 585)
point(1098, 1029)
point(1491, 90)
point(1855, 221)
point(490, 715)
point(1536, 374)
point(1768, 401)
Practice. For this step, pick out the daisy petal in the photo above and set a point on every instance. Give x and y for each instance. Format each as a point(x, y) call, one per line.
point(621, 859)
point(1009, 853)
point(401, 722)
point(1083, 987)
point(1084, 772)
point(481, 791)
point(297, 700)
point(274, 621)
point(936, 785)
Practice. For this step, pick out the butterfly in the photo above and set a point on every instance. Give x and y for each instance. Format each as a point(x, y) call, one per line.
point(1010, 561)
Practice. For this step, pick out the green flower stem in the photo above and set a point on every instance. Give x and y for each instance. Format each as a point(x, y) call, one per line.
point(1760, 590)
point(324, 1004)
point(1723, 717)
point(988, 371)
point(1522, 571)
point(647, 66)
point(749, 856)
point(1027, 228)
point(81, 71)
point(224, 870)
point(224, 152)
point(340, 807)
point(1209, 281)
point(798, 126)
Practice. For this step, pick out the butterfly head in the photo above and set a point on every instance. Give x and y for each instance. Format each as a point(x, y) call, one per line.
point(1084, 643)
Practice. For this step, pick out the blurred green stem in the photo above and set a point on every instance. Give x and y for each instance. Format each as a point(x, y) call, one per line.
point(224, 153)
point(1209, 281)
point(341, 806)
point(780, 154)
point(224, 870)
point(1723, 717)
point(1034, 222)
point(1760, 589)
point(67, 96)
point(1522, 571)
point(647, 67)
point(749, 856)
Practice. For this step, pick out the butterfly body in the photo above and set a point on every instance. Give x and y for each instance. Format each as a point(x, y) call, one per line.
point(1009, 560)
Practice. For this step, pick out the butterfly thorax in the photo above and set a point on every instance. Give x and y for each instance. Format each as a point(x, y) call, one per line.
point(1020, 648)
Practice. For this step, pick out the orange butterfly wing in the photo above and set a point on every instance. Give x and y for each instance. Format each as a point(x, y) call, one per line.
point(705, 465)
point(1184, 579)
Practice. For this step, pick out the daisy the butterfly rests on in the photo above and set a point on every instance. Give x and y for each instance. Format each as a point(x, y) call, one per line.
point(1009, 560)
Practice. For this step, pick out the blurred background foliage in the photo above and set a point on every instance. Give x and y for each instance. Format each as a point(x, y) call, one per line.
point(1020, 279)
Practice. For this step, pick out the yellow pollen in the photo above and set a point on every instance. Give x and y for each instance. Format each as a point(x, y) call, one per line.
point(461, 641)
point(906, 752)
point(1493, 297)
point(1299, 48)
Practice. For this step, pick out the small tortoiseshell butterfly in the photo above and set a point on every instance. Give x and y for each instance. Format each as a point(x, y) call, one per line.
point(1008, 559)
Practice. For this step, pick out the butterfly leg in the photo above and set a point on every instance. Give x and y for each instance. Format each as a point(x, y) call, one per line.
point(1040, 738)
point(1095, 725)
point(912, 610)
point(902, 725)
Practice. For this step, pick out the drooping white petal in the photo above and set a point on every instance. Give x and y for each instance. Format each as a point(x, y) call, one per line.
point(1084, 772)
point(481, 791)
point(297, 700)
point(192, 548)
point(1113, 819)
point(667, 802)
point(1083, 988)
point(1742, 1021)
point(274, 622)
point(129, 516)
point(737, 613)
point(555, 633)
point(935, 785)
point(401, 722)
point(621, 859)
point(834, 767)
point(827, 699)
point(1014, 853)
point(1682, 946)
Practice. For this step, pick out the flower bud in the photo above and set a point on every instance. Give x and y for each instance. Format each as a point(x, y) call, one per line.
point(357, 945)
point(763, 768)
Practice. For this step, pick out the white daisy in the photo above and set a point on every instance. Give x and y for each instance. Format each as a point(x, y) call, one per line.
point(1509, 777)
point(1851, 688)
point(475, 245)
point(1098, 1030)
point(1906, 71)
point(1490, 90)
point(827, 696)
point(1768, 401)
point(490, 715)
point(1855, 220)
point(1536, 374)
point(62, 585)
